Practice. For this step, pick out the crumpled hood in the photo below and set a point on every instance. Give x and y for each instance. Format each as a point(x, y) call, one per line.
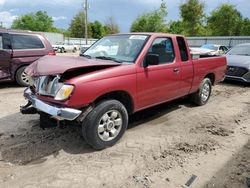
point(52, 65)
point(238, 60)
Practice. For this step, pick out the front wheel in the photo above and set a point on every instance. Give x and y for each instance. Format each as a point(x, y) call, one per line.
point(105, 125)
point(202, 96)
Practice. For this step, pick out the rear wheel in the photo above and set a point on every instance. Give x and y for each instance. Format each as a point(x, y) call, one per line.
point(106, 124)
point(202, 96)
point(21, 77)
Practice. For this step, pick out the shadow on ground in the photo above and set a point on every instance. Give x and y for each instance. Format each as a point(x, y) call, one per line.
point(30, 143)
point(8, 84)
point(235, 83)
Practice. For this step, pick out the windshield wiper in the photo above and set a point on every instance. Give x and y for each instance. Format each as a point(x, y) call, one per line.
point(87, 56)
point(244, 54)
point(240, 54)
point(108, 58)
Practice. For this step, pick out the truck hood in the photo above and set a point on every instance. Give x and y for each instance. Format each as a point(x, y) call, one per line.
point(52, 65)
point(238, 60)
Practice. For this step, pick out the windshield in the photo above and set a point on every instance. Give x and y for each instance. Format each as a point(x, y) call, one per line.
point(119, 48)
point(240, 50)
point(210, 47)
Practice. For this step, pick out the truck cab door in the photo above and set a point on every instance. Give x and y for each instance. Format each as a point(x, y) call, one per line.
point(158, 83)
point(5, 56)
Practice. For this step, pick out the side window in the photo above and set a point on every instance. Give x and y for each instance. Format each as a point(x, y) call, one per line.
point(164, 48)
point(182, 48)
point(6, 42)
point(26, 42)
point(1, 42)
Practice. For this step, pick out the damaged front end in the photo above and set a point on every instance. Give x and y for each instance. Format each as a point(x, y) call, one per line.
point(53, 87)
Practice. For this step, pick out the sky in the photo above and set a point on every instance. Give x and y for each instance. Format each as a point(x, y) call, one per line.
point(123, 11)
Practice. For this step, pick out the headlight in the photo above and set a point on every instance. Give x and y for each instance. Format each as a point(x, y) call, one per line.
point(64, 92)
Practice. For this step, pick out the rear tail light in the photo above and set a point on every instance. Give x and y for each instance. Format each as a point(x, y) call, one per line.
point(52, 53)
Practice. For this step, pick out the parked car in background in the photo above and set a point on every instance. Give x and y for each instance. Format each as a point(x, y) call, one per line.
point(210, 50)
point(132, 72)
point(65, 47)
point(18, 49)
point(238, 59)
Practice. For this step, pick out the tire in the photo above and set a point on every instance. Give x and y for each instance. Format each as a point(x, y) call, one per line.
point(202, 96)
point(105, 124)
point(21, 77)
point(62, 50)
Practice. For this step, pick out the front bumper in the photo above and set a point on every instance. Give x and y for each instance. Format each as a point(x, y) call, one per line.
point(236, 78)
point(59, 113)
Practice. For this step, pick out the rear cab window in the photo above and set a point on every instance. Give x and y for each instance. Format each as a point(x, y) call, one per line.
point(182, 48)
point(163, 46)
point(21, 42)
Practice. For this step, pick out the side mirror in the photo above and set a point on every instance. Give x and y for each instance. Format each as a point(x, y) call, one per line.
point(151, 59)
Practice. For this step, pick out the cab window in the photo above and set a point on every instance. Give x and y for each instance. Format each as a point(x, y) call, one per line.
point(182, 48)
point(164, 48)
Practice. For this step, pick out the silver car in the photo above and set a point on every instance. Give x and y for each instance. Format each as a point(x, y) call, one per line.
point(238, 63)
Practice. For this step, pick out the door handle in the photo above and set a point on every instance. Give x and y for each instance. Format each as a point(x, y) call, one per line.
point(176, 70)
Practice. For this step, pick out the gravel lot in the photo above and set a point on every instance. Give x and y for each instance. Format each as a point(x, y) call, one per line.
point(163, 147)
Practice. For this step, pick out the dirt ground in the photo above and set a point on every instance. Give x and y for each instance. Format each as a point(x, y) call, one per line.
point(163, 147)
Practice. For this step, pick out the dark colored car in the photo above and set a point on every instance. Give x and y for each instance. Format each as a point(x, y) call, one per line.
point(18, 49)
point(238, 59)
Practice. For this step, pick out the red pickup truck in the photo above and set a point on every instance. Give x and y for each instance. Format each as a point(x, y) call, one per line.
point(118, 76)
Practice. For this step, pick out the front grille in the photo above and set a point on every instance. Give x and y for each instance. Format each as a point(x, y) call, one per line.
point(236, 71)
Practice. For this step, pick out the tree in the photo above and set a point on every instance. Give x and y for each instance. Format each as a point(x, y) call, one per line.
point(176, 27)
point(40, 21)
point(97, 30)
point(77, 26)
point(226, 20)
point(152, 21)
point(245, 27)
point(111, 27)
point(192, 14)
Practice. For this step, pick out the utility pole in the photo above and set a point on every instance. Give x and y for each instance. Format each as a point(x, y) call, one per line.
point(86, 6)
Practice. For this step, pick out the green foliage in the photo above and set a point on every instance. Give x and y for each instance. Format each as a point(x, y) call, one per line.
point(176, 27)
point(97, 30)
point(225, 21)
point(40, 21)
point(152, 21)
point(192, 14)
point(111, 27)
point(77, 26)
point(245, 27)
